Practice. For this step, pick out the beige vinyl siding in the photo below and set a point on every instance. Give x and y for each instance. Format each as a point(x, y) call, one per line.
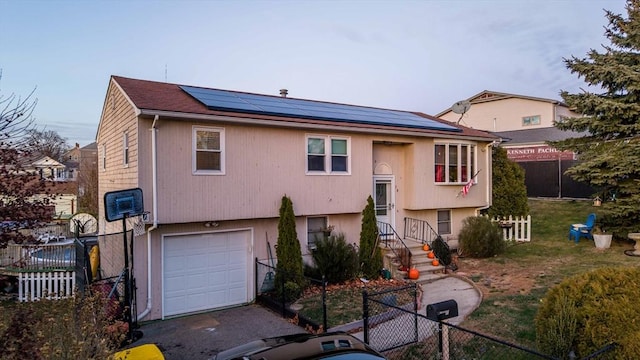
point(118, 116)
point(262, 165)
point(421, 191)
point(505, 115)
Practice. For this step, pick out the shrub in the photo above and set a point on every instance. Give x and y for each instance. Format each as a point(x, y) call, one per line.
point(442, 250)
point(76, 328)
point(480, 237)
point(288, 249)
point(509, 188)
point(587, 312)
point(370, 256)
point(335, 259)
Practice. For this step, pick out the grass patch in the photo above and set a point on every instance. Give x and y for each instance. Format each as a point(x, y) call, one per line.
point(549, 258)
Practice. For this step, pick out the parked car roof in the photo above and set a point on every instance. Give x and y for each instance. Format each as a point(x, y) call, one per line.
point(334, 345)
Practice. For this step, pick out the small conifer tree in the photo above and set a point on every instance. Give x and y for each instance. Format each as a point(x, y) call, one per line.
point(288, 249)
point(509, 189)
point(369, 254)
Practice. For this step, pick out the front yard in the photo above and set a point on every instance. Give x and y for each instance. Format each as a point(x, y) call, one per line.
point(513, 283)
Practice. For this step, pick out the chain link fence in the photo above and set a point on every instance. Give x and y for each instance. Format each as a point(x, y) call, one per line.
point(397, 330)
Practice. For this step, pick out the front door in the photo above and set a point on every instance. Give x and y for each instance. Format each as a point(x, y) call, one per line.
point(384, 199)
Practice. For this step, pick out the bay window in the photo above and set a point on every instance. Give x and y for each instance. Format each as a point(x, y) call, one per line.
point(454, 163)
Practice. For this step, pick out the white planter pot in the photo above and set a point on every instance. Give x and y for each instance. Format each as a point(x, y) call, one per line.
point(603, 241)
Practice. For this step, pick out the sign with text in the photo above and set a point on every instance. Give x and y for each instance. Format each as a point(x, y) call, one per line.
point(538, 153)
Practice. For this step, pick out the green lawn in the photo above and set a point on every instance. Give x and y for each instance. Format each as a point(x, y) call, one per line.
point(509, 313)
point(545, 261)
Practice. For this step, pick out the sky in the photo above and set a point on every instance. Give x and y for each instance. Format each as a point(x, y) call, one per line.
point(404, 55)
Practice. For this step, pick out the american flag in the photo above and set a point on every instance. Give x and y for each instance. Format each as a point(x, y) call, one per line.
point(465, 189)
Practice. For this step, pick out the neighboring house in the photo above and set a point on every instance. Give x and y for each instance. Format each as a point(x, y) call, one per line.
point(213, 166)
point(82, 167)
point(524, 124)
point(49, 169)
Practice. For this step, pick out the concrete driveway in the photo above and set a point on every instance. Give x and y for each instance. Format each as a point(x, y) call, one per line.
point(203, 335)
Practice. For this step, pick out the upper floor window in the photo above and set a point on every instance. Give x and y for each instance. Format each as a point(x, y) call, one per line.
point(208, 151)
point(125, 149)
point(328, 155)
point(454, 163)
point(531, 120)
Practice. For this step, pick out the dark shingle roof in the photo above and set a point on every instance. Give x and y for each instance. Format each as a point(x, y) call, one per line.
point(152, 96)
point(534, 136)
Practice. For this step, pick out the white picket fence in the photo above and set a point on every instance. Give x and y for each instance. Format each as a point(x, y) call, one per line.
point(34, 286)
point(515, 228)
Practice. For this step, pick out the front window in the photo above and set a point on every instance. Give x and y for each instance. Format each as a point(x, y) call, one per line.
point(208, 151)
point(454, 163)
point(316, 227)
point(444, 222)
point(531, 120)
point(327, 155)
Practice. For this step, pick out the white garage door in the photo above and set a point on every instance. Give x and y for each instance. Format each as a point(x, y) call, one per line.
point(205, 271)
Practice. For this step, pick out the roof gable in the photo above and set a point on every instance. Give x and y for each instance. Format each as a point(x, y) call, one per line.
point(488, 96)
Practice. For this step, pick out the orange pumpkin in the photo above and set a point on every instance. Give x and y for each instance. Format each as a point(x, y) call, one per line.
point(435, 262)
point(414, 274)
point(426, 247)
point(431, 255)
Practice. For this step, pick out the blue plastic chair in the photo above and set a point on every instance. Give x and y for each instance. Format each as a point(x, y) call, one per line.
point(576, 231)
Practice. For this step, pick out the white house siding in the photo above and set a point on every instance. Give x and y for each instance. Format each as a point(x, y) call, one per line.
point(118, 116)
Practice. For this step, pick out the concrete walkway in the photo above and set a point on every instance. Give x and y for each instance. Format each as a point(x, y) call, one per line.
point(439, 288)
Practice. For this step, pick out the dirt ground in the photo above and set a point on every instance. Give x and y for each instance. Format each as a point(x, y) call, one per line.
point(508, 278)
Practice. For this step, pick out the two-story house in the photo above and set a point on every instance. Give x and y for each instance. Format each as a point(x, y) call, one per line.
point(213, 166)
point(525, 124)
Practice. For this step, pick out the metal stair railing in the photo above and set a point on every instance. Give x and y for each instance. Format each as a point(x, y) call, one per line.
point(419, 230)
point(388, 235)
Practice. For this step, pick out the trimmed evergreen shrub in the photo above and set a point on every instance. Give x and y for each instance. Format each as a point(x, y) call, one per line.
point(480, 237)
point(586, 312)
point(370, 255)
point(335, 259)
point(508, 187)
point(289, 267)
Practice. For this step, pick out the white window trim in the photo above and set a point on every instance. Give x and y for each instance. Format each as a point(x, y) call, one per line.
point(194, 149)
point(471, 166)
point(104, 158)
point(438, 222)
point(125, 149)
point(327, 155)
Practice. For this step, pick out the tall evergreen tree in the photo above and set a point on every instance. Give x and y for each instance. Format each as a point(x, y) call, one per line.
point(370, 254)
point(288, 249)
point(509, 189)
point(610, 152)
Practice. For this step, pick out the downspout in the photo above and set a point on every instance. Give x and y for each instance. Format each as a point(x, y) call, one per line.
point(154, 166)
point(488, 165)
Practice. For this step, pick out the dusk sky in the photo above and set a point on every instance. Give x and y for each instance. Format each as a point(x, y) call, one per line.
point(404, 55)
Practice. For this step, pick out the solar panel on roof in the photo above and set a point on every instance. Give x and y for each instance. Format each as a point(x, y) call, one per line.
point(308, 109)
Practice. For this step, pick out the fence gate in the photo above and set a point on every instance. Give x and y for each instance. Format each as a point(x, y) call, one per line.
point(390, 318)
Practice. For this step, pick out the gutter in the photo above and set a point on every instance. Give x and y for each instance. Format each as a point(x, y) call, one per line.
point(154, 163)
